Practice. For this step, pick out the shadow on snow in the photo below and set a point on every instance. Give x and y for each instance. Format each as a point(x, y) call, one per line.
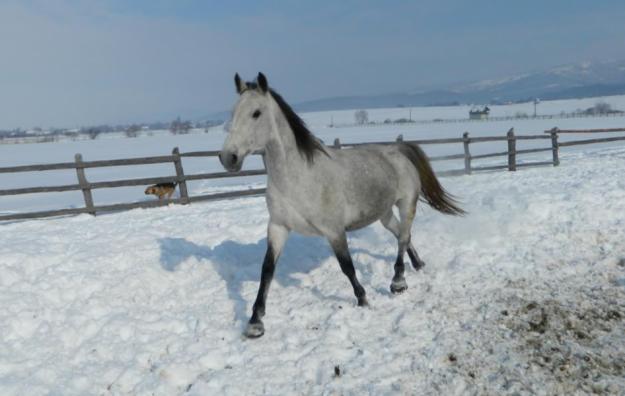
point(237, 263)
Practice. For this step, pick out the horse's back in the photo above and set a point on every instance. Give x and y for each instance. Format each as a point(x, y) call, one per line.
point(383, 165)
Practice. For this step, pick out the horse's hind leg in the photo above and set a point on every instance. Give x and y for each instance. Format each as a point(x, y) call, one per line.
point(390, 222)
point(407, 209)
point(341, 250)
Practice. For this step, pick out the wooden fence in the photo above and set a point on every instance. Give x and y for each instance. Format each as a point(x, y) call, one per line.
point(181, 178)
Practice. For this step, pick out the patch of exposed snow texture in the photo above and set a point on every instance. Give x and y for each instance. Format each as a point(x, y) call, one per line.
point(524, 295)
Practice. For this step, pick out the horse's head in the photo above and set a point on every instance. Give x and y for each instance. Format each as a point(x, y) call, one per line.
point(251, 123)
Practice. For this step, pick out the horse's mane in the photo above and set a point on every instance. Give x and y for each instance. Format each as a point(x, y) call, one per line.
point(307, 144)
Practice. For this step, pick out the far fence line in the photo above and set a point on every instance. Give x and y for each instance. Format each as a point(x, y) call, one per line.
point(406, 122)
point(181, 178)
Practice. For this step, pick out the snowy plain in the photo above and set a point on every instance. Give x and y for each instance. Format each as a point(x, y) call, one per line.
point(524, 295)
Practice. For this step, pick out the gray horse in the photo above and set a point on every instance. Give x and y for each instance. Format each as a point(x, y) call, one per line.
point(317, 190)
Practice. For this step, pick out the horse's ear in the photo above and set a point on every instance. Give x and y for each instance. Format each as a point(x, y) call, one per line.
point(239, 84)
point(262, 82)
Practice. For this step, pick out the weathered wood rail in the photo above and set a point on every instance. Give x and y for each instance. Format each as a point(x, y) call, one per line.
point(181, 178)
point(556, 131)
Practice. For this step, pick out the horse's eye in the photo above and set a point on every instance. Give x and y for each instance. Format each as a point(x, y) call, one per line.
point(256, 114)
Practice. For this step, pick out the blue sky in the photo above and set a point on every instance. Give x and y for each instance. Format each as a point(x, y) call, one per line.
point(71, 62)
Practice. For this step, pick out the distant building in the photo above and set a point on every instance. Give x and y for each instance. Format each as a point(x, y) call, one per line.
point(476, 114)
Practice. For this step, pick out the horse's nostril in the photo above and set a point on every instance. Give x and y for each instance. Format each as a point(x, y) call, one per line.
point(228, 160)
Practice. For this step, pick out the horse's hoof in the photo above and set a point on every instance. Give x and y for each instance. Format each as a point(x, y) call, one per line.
point(417, 265)
point(363, 302)
point(416, 262)
point(254, 330)
point(399, 286)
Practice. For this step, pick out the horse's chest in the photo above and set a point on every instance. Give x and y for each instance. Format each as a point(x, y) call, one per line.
point(294, 214)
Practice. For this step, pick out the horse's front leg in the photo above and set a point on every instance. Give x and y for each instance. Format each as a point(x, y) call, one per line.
point(276, 237)
point(341, 250)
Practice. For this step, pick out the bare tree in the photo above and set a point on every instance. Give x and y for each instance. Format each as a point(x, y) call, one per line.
point(93, 133)
point(361, 117)
point(133, 131)
point(602, 108)
point(179, 127)
point(173, 127)
point(185, 127)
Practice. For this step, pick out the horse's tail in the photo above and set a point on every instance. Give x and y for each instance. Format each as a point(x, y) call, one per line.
point(431, 189)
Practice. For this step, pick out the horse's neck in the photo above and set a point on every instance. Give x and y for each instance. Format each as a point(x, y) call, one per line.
point(282, 158)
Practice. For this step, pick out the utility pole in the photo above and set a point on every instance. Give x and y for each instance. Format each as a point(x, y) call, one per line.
point(536, 101)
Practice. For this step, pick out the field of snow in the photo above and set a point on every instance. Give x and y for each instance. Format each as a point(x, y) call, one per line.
point(553, 107)
point(162, 144)
point(524, 295)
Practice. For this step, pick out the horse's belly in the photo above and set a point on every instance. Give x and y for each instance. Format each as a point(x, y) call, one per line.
point(358, 218)
point(367, 201)
point(359, 223)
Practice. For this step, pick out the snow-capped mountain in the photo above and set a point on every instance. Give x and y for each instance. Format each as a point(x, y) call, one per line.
point(585, 79)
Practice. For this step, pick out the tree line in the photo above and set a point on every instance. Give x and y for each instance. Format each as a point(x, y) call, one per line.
point(175, 127)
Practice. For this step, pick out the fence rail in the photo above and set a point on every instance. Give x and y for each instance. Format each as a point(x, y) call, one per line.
point(181, 178)
point(590, 130)
point(588, 141)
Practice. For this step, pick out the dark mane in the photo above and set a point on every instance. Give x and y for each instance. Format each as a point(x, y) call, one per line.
point(305, 141)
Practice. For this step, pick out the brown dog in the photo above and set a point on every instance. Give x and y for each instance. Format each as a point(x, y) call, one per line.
point(161, 190)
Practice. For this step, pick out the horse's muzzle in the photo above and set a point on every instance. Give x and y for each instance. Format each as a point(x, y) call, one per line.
point(230, 161)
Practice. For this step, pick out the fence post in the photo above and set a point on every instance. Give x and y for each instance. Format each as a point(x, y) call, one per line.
point(467, 153)
point(400, 138)
point(182, 183)
point(554, 146)
point(511, 150)
point(84, 184)
point(337, 144)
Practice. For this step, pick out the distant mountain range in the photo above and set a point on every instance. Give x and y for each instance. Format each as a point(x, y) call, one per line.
point(564, 82)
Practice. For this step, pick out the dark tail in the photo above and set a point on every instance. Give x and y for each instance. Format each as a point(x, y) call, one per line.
point(431, 189)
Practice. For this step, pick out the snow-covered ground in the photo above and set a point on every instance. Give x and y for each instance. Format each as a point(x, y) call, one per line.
point(551, 107)
point(525, 295)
